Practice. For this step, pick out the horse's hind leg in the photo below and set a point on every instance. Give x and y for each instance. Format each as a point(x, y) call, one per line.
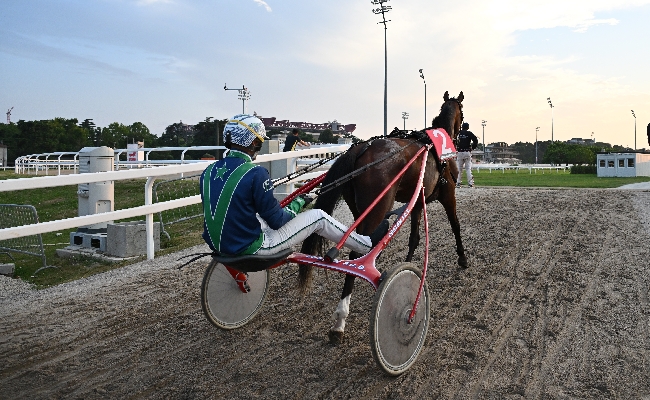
point(342, 310)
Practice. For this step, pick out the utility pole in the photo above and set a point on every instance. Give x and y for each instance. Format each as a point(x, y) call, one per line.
point(383, 10)
point(405, 116)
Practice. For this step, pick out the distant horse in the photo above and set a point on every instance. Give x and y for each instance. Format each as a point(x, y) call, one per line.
point(361, 191)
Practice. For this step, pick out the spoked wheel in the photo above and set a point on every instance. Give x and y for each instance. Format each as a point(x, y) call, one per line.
point(396, 344)
point(224, 304)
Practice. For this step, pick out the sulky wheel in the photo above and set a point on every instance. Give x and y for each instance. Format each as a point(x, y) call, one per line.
point(396, 343)
point(224, 304)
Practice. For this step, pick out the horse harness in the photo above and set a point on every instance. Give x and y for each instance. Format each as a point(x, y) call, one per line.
point(416, 136)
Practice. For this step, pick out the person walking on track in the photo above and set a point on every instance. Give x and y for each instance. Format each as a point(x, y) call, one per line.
point(241, 215)
point(293, 140)
point(467, 142)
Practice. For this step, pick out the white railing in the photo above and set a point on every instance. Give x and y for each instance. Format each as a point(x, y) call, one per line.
point(149, 209)
point(532, 168)
point(43, 162)
point(48, 161)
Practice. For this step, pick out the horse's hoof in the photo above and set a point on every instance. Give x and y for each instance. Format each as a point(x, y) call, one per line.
point(336, 338)
point(462, 262)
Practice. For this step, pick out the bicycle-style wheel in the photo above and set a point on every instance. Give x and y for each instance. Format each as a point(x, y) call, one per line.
point(395, 343)
point(224, 304)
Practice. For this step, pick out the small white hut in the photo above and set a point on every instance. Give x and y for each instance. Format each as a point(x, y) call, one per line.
point(623, 164)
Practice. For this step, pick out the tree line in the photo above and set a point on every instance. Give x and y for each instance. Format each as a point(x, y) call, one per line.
point(563, 153)
point(62, 134)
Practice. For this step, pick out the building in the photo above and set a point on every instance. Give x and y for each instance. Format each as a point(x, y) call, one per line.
point(307, 127)
point(499, 152)
point(622, 164)
point(581, 141)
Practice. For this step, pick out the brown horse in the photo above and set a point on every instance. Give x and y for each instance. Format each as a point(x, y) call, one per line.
point(361, 191)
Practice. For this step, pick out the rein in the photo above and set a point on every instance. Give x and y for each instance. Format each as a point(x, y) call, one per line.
point(359, 171)
point(302, 171)
point(395, 134)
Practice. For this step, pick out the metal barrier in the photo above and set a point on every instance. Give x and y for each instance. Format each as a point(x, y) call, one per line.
point(12, 215)
point(173, 189)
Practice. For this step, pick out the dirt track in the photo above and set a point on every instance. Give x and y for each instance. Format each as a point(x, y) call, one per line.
point(555, 304)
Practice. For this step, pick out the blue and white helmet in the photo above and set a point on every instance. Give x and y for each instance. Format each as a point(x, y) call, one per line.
point(243, 129)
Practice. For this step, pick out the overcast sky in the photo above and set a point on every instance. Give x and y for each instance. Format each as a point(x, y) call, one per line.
point(162, 61)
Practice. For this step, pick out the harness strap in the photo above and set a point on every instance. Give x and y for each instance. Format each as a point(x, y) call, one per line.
point(359, 171)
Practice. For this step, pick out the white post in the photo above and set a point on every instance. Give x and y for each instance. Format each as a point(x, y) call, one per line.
point(148, 199)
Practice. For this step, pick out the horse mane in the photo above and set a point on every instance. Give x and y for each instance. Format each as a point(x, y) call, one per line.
point(445, 119)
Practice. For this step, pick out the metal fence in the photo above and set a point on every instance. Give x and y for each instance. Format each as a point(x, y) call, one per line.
point(173, 189)
point(16, 215)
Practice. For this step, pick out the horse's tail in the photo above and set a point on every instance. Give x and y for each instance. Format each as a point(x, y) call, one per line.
point(326, 201)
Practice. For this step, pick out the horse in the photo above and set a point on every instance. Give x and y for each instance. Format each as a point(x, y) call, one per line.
point(362, 190)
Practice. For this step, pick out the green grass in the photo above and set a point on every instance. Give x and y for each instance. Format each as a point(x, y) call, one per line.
point(61, 202)
point(548, 179)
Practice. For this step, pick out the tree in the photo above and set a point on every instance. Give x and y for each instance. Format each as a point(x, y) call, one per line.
point(327, 137)
point(10, 136)
point(92, 132)
point(209, 132)
point(72, 137)
point(115, 135)
point(557, 153)
point(177, 134)
point(139, 132)
point(526, 151)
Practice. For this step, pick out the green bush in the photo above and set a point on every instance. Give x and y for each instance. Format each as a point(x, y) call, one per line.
point(583, 169)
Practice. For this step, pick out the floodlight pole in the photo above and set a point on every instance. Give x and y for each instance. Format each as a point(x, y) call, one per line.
point(405, 116)
point(483, 123)
point(536, 130)
point(244, 95)
point(425, 97)
point(383, 10)
point(634, 115)
point(551, 104)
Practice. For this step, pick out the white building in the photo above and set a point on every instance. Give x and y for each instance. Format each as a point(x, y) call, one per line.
point(623, 164)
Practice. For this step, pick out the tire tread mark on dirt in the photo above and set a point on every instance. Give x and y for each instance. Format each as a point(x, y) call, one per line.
point(535, 387)
point(518, 307)
point(498, 290)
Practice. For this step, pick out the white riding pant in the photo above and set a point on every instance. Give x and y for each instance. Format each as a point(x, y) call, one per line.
point(304, 224)
point(465, 161)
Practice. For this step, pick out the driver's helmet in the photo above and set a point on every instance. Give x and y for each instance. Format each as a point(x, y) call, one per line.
point(242, 129)
point(465, 126)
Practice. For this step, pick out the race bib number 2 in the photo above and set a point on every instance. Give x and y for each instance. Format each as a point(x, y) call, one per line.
point(442, 142)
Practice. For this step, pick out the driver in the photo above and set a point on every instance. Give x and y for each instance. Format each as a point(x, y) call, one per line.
point(241, 215)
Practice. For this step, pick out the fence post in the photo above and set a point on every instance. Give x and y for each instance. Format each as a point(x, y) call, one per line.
point(148, 195)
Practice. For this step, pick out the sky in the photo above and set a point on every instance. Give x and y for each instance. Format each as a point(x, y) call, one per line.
point(163, 61)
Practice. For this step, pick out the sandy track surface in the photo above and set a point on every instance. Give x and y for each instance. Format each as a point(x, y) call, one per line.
point(555, 304)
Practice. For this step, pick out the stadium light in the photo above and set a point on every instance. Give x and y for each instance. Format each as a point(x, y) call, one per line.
point(383, 10)
point(483, 123)
point(425, 97)
point(536, 130)
point(551, 104)
point(405, 116)
point(634, 115)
